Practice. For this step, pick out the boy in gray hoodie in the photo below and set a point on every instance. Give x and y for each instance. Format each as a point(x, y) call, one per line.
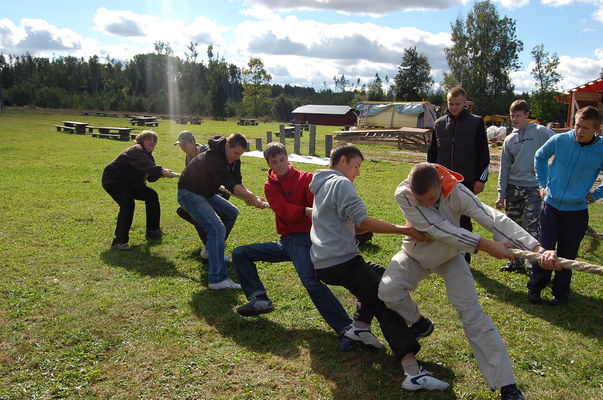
point(518, 192)
point(338, 214)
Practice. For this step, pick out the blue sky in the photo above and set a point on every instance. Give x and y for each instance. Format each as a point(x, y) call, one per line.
point(302, 46)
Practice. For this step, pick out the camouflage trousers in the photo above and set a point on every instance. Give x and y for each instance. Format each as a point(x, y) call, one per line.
point(523, 207)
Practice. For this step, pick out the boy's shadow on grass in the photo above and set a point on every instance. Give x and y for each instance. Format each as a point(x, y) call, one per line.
point(355, 374)
point(583, 314)
point(140, 260)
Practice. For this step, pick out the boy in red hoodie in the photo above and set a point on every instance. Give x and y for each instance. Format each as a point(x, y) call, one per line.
point(287, 191)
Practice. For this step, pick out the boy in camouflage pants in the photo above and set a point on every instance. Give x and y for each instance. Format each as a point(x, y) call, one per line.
point(518, 192)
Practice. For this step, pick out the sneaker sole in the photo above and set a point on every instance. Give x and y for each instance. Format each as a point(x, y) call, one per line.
point(426, 333)
point(246, 312)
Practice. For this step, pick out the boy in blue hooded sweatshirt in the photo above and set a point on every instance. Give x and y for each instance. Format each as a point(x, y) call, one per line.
point(566, 187)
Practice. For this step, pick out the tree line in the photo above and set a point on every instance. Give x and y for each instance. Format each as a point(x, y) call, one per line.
point(480, 60)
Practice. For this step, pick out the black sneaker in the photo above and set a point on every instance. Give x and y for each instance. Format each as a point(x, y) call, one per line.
point(510, 267)
point(556, 301)
point(534, 296)
point(155, 234)
point(423, 327)
point(511, 392)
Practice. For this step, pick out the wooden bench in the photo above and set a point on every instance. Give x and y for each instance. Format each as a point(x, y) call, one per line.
point(247, 121)
point(110, 131)
point(78, 127)
point(289, 132)
point(114, 136)
point(144, 120)
point(70, 129)
point(304, 125)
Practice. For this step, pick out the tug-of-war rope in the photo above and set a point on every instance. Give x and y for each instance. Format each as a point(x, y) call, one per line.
point(564, 262)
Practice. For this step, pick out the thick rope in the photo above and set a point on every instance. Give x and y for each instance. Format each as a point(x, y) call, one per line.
point(564, 262)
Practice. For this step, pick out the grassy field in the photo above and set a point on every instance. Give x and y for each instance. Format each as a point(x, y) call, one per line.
point(78, 320)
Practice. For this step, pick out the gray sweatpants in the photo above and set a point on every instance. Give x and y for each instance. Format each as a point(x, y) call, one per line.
point(403, 275)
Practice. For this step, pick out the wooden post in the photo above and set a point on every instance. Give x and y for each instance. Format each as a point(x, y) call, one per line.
point(281, 134)
point(248, 148)
point(328, 145)
point(312, 147)
point(297, 141)
point(258, 143)
point(268, 137)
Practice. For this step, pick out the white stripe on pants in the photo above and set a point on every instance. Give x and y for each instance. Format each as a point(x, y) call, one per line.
point(404, 274)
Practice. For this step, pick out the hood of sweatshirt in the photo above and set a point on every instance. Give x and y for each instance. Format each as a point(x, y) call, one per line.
point(217, 143)
point(448, 179)
point(321, 176)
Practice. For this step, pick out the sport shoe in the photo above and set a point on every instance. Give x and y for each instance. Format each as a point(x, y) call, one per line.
point(423, 381)
point(155, 234)
point(120, 246)
point(534, 296)
point(205, 255)
point(255, 307)
point(423, 327)
point(511, 392)
point(558, 301)
point(225, 284)
point(364, 336)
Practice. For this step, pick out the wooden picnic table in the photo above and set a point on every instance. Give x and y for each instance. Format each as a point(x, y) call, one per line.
point(289, 132)
point(304, 125)
point(144, 120)
point(78, 127)
point(112, 132)
point(247, 121)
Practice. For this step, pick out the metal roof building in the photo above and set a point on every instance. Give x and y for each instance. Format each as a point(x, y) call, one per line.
point(325, 115)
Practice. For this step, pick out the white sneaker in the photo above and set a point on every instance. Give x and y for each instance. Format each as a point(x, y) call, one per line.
point(225, 284)
point(423, 381)
point(205, 255)
point(364, 336)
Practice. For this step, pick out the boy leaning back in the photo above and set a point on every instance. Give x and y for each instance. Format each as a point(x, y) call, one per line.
point(337, 214)
point(433, 200)
point(290, 198)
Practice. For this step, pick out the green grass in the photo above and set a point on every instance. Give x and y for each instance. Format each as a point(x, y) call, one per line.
point(80, 321)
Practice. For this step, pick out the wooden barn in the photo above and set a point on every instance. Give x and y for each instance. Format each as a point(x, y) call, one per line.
point(325, 115)
point(589, 94)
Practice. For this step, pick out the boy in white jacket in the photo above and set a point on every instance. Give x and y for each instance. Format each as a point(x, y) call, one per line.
point(432, 201)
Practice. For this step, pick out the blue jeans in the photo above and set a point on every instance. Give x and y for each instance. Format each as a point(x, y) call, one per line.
point(217, 216)
point(294, 248)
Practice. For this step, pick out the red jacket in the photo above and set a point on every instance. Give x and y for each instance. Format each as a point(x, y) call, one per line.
point(288, 197)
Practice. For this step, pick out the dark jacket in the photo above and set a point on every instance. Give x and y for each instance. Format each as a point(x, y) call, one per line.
point(131, 167)
point(460, 144)
point(206, 172)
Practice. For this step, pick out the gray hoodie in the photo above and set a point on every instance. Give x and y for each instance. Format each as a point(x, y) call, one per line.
point(337, 209)
point(517, 157)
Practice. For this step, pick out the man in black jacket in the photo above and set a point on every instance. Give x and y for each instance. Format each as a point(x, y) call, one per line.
point(459, 143)
point(198, 190)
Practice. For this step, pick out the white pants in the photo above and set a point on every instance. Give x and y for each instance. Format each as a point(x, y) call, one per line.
point(403, 275)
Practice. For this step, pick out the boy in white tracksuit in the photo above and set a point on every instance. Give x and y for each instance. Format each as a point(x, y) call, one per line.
point(432, 201)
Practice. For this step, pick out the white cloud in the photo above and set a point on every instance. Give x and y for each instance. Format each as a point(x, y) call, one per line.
point(146, 29)
point(318, 51)
point(574, 72)
point(598, 4)
point(36, 35)
point(375, 7)
point(513, 3)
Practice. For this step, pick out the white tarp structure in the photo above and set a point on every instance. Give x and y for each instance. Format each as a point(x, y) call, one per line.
point(396, 115)
point(293, 158)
